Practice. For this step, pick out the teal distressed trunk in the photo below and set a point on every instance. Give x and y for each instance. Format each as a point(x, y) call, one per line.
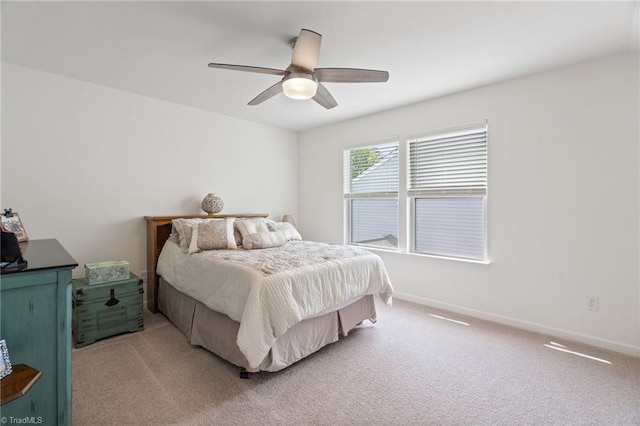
point(103, 310)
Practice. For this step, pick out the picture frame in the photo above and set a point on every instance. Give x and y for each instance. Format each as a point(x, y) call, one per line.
point(5, 362)
point(10, 222)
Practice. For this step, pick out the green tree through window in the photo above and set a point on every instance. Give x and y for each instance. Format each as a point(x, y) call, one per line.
point(361, 160)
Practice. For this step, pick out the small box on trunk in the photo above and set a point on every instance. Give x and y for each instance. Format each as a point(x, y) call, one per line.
point(105, 272)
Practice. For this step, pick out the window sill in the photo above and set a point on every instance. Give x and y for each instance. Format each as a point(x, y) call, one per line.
point(431, 256)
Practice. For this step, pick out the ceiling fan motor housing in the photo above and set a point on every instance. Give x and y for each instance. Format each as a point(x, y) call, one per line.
point(299, 84)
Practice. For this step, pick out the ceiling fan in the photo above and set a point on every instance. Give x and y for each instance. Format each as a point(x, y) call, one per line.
point(301, 79)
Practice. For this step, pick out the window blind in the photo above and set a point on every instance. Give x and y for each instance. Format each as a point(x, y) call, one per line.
point(450, 226)
point(450, 163)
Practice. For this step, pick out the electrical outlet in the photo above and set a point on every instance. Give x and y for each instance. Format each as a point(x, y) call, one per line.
point(593, 303)
point(143, 276)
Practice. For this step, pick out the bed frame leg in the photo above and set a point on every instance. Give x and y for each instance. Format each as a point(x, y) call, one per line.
point(244, 374)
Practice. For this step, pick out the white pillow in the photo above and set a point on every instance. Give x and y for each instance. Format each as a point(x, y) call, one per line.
point(290, 232)
point(262, 240)
point(212, 235)
point(251, 226)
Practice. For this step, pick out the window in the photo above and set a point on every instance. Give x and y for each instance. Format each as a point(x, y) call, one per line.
point(371, 195)
point(447, 193)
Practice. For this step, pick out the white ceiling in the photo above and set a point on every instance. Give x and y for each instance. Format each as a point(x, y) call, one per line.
point(161, 49)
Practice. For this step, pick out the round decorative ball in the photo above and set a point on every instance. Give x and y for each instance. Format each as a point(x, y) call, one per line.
point(212, 204)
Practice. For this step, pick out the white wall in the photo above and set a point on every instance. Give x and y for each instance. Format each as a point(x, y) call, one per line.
point(84, 164)
point(563, 206)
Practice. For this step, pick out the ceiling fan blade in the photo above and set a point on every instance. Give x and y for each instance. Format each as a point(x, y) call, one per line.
point(350, 75)
point(306, 50)
point(324, 98)
point(247, 68)
point(269, 93)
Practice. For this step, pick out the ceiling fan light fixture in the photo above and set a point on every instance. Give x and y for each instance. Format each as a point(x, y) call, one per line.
point(300, 86)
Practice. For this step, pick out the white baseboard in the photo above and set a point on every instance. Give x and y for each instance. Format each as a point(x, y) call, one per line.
point(525, 325)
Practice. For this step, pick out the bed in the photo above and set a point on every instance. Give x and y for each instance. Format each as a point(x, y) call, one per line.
point(260, 309)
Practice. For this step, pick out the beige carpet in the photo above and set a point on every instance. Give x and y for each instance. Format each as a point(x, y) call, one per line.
point(409, 368)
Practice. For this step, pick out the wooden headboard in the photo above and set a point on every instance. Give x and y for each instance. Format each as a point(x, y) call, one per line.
point(158, 230)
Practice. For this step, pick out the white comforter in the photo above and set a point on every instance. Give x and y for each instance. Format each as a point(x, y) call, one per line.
point(268, 291)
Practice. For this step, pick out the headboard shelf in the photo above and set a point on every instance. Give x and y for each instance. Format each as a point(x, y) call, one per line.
point(158, 230)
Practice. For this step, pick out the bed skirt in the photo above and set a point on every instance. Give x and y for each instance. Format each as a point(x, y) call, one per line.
point(218, 333)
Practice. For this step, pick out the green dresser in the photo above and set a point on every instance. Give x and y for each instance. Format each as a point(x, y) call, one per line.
point(35, 322)
point(103, 310)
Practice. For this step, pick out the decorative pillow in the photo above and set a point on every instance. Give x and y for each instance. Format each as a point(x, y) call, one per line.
point(290, 232)
point(262, 240)
point(174, 238)
point(251, 226)
point(212, 235)
point(184, 229)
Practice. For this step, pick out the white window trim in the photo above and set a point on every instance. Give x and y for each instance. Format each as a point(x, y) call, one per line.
point(411, 195)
